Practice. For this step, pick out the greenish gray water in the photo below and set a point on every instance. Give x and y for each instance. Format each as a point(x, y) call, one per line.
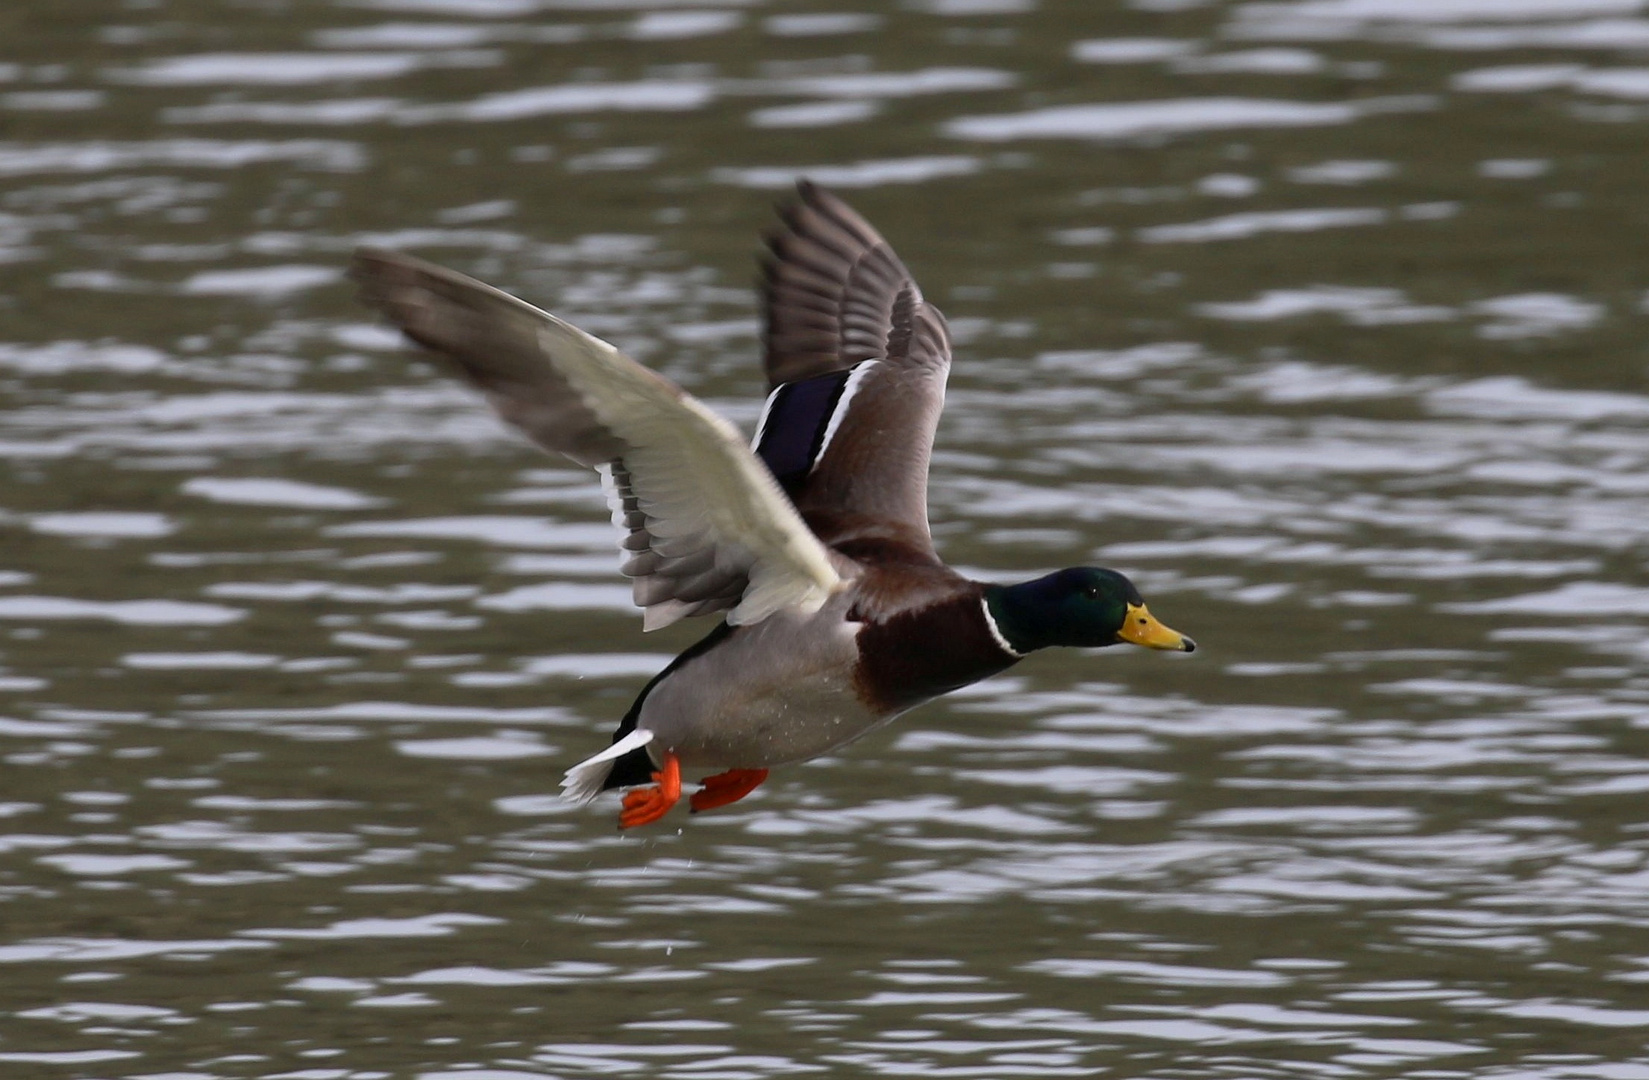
point(1323, 319)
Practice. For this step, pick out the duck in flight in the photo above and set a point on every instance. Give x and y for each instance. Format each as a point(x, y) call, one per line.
point(814, 542)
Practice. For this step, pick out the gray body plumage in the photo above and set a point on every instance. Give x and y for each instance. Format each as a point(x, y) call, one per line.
point(778, 692)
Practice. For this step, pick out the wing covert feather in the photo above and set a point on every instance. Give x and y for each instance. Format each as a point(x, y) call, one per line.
point(837, 297)
point(706, 526)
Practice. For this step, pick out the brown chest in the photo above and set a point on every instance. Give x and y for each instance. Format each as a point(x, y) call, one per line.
point(915, 655)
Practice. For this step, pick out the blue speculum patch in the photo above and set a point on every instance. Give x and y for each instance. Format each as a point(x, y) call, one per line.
point(794, 428)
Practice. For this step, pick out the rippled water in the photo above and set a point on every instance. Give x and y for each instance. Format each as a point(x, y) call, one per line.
point(1323, 319)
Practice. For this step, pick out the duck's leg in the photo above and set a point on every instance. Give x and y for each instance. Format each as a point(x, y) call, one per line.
point(725, 788)
point(643, 806)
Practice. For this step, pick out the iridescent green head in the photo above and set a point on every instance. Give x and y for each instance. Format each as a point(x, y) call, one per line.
point(1084, 606)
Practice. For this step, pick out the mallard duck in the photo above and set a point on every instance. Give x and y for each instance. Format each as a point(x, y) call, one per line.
point(813, 540)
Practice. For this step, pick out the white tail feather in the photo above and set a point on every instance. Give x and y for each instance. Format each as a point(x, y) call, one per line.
point(583, 781)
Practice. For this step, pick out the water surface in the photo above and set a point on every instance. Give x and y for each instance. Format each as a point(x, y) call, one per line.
point(1323, 319)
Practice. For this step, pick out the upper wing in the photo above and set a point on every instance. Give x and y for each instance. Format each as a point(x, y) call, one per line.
point(857, 363)
point(706, 526)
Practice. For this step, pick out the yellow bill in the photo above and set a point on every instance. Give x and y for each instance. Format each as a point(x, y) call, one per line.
point(1142, 628)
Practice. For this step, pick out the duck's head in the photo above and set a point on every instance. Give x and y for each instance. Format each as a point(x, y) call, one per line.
point(1084, 606)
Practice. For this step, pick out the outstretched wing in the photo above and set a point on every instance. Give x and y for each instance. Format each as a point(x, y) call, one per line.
point(706, 528)
point(856, 361)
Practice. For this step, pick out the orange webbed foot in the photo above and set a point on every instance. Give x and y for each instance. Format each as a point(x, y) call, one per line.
point(643, 806)
point(725, 788)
